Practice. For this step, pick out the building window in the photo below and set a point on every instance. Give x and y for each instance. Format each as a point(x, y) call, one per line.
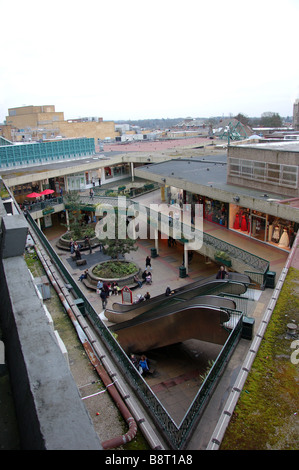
point(282, 175)
point(259, 171)
point(273, 172)
point(289, 176)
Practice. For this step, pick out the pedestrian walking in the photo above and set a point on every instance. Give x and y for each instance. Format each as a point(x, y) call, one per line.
point(148, 262)
point(87, 243)
point(143, 365)
point(99, 287)
point(103, 296)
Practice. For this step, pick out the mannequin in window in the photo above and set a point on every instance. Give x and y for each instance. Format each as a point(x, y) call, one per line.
point(244, 224)
point(237, 222)
point(284, 239)
point(275, 236)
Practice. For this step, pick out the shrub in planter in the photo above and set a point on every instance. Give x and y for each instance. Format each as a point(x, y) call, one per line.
point(223, 258)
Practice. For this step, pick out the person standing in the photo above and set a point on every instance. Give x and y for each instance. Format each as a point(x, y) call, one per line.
point(87, 243)
point(77, 251)
point(222, 273)
point(99, 286)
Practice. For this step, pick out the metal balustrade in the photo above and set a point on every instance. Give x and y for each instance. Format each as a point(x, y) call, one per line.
point(38, 206)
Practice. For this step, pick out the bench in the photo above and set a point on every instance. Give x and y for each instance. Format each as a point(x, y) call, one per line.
point(80, 262)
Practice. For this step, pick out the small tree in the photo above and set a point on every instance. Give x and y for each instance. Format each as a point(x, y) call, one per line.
point(115, 247)
point(72, 201)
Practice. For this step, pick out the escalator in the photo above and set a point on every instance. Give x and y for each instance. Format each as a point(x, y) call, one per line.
point(202, 318)
point(235, 284)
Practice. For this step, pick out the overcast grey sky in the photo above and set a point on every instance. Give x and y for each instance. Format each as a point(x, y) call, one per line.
point(157, 59)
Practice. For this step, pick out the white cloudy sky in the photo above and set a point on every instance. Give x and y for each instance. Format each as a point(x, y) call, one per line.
point(156, 59)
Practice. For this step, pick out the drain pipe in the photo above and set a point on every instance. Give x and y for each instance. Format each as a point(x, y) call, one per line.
point(118, 440)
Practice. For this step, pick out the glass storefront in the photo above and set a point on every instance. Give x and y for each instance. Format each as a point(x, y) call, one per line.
point(254, 224)
point(215, 211)
point(266, 228)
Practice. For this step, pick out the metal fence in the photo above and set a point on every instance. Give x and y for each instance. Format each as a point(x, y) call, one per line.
point(47, 203)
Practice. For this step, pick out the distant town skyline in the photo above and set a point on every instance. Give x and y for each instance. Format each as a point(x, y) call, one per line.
point(130, 61)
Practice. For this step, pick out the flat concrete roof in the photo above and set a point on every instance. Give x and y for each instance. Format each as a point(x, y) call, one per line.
point(54, 165)
point(210, 170)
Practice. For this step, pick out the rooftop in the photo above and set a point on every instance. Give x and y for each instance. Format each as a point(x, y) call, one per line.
point(210, 171)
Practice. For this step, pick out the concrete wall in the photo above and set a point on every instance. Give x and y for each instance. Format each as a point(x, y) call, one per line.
point(49, 409)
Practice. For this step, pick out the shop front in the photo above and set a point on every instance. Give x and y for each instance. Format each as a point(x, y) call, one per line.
point(215, 211)
point(254, 224)
point(262, 227)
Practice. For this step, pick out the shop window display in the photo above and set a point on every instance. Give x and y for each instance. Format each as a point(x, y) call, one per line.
point(281, 232)
point(216, 211)
point(258, 229)
point(266, 228)
point(240, 219)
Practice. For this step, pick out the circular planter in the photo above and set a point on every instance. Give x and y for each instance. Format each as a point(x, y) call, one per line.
point(64, 243)
point(128, 280)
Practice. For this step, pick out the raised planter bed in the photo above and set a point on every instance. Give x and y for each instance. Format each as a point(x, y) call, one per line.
point(64, 243)
point(92, 280)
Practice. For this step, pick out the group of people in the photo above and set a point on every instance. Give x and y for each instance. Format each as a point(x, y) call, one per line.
point(146, 277)
point(141, 298)
point(105, 289)
point(75, 247)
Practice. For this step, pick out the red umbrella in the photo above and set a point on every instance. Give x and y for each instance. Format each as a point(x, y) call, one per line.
point(33, 195)
point(47, 191)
